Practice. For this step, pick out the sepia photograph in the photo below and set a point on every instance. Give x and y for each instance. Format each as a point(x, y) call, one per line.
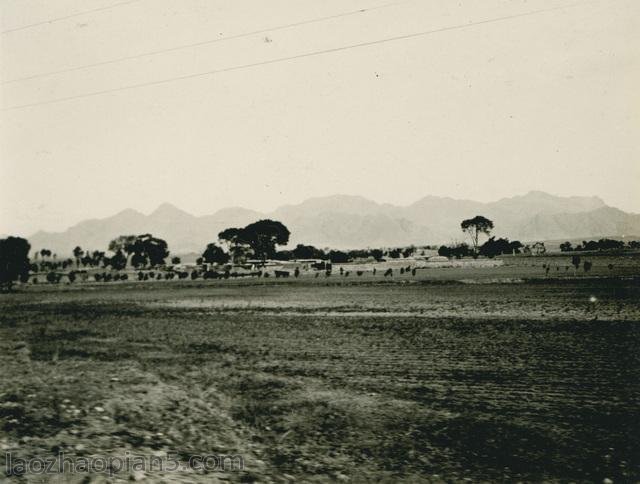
point(315, 241)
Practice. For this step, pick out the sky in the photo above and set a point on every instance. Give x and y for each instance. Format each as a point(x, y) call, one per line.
point(492, 99)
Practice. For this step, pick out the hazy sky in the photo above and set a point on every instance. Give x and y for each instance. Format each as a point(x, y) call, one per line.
point(548, 101)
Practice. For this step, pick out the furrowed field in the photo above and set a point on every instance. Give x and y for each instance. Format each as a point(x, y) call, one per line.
point(512, 374)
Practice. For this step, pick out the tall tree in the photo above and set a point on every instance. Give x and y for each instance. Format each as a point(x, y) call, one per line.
point(14, 260)
point(155, 249)
point(124, 244)
point(476, 226)
point(263, 236)
point(237, 246)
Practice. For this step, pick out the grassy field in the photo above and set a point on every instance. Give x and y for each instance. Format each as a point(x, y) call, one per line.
point(512, 374)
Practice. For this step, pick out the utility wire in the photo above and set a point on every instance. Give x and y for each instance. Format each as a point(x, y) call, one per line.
point(204, 42)
point(295, 57)
point(77, 14)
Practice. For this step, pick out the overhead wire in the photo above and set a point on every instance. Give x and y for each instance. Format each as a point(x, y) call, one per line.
point(203, 42)
point(297, 56)
point(77, 14)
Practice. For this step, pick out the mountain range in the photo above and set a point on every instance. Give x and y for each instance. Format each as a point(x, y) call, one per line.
point(343, 221)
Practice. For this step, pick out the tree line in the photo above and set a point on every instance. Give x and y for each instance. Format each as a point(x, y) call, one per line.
point(256, 242)
point(600, 245)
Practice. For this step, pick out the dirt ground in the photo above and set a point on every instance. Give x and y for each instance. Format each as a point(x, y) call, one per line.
point(510, 375)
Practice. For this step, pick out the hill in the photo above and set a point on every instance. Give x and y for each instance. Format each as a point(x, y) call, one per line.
point(343, 221)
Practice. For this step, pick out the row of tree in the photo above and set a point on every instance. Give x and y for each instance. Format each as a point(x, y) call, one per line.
point(258, 240)
point(599, 245)
point(491, 248)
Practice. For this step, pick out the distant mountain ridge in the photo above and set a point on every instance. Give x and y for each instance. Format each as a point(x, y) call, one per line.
point(344, 221)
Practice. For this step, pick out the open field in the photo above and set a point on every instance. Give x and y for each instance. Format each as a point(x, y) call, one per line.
point(418, 378)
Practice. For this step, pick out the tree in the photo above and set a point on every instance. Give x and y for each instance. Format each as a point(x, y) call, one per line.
point(283, 255)
point(96, 257)
point(377, 254)
point(139, 259)
point(156, 249)
point(394, 253)
point(263, 236)
point(143, 249)
point(233, 238)
point(338, 257)
point(516, 246)
point(566, 247)
point(458, 251)
point(610, 244)
point(408, 251)
point(14, 260)
point(538, 248)
point(476, 226)
point(118, 261)
point(124, 243)
point(260, 237)
point(307, 252)
point(215, 255)
point(493, 247)
point(175, 260)
point(78, 253)
point(590, 245)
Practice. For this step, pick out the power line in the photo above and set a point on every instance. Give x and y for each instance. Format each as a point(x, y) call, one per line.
point(295, 57)
point(77, 14)
point(204, 42)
